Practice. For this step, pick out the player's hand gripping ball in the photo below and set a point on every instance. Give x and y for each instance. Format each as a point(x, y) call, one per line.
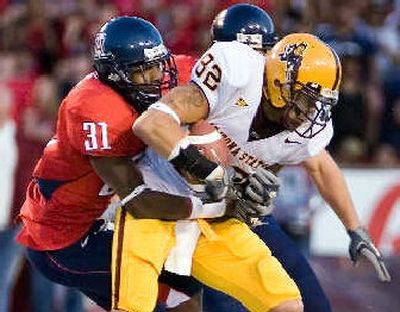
point(246, 194)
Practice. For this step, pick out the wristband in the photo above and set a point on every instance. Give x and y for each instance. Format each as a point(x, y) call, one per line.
point(160, 106)
point(210, 210)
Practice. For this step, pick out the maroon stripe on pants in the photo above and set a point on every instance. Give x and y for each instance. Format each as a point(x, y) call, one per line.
point(121, 229)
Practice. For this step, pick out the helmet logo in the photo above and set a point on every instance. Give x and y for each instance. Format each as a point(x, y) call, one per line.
point(252, 40)
point(99, 51)
point(293, 56)
point(113, 77)
point(155, 53)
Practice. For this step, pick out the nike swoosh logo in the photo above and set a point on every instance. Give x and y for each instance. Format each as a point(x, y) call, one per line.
point(84, 241)
point(291, 142)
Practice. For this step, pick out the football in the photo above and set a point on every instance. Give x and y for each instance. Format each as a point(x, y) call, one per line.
point(209, 141)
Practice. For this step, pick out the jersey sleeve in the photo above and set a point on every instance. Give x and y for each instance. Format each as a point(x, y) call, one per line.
point(221, 69)
point(102, 127)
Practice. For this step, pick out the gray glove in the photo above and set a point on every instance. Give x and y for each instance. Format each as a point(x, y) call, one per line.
point(361, 245)
point(263, 186)
point(245, 210)
point(248, 197)
point(217, 189)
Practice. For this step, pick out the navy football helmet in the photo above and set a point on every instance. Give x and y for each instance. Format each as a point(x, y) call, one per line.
point(128, 45)
point(245, 23)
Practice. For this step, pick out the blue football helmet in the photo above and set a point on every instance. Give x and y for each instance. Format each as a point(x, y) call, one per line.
point(127, 45)
point(245, 23)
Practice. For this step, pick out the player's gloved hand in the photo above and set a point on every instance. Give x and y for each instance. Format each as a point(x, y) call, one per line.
point(219, 182)
point(361, 245)
point(249, 207)
point(262, 187)
point(245, 210)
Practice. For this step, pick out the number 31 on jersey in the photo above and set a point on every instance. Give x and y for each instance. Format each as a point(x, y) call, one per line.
point(97, 136)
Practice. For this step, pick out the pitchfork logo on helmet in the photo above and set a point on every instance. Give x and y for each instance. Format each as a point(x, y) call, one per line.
point(303, 75)
point(293, 55)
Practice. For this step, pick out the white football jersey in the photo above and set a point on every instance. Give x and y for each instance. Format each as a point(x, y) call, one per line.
point(234, 101)
point(231, 76)
point(232, 82)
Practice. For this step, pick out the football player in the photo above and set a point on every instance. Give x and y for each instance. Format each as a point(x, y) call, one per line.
point(90, 157)
point(213, 264)
point(271, 111)
point(229, 26)
point(223, 253)
point(253, 26)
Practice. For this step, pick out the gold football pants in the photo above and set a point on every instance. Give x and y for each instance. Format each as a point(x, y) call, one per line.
point(228, 257)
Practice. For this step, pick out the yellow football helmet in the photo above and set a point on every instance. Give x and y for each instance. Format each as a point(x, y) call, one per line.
point(303, 75)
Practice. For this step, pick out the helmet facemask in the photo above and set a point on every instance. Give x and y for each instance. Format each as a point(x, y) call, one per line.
point(142, 95)
point(307, 111)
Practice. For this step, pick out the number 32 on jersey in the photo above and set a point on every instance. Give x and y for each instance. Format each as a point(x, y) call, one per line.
point(96, 136)
point(210, 71)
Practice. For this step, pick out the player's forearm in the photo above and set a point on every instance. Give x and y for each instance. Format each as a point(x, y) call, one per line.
point(331, 185)
point(119, 173)
point(159, 131)
point(143, 203)
point(160, 127)
point(156, 205)
point(151, 204)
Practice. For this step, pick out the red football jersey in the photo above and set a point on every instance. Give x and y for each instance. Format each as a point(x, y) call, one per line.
point(64, 197)
point(184, 63)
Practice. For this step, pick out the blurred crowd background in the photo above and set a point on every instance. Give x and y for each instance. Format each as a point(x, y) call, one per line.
point(45, 50)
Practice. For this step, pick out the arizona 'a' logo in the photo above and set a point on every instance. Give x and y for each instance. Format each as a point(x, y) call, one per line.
point(293, 56)
point(99, 40)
